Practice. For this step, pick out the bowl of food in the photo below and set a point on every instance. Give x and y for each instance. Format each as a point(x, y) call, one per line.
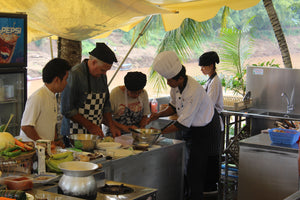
point(145, 137)
point(85, 142)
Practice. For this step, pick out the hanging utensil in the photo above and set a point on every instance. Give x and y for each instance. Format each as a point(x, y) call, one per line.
point(10, 118)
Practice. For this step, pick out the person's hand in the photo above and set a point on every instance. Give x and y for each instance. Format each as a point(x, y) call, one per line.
point(95, 130)
point(153, 117)
point(127, 128)
point(115, 131)
point(59, 143)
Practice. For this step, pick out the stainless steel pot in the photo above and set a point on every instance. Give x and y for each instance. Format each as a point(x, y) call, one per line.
point(78, 180)
point(86, 142)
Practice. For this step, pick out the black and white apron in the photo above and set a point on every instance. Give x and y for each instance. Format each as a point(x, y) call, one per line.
point(92, 109)
point(130, 117)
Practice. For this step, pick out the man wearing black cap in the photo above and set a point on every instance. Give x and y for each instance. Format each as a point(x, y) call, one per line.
point(130, 103)
point(85, 101)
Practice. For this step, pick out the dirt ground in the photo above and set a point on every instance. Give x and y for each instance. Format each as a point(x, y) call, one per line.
point(140, 60)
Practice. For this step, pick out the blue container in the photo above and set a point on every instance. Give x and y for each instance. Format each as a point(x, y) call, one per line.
point(286, 136)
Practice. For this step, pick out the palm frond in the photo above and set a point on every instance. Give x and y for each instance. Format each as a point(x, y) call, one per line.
point(225, 14)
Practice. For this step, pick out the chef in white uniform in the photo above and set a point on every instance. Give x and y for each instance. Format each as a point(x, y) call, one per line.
point(196, 115)
point(213, 87)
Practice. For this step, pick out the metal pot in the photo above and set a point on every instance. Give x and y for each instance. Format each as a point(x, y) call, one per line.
point(77, 180)
point(86, 142)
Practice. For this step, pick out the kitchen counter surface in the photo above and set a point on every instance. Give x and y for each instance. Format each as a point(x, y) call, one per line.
point(267, 170)
point(160, 168)
point(263, 141)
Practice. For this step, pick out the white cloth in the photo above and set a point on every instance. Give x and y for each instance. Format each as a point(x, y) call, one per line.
point(193, 106)
point(167, 64)
point(118, 103)
point(40, 112)
point(215, 92)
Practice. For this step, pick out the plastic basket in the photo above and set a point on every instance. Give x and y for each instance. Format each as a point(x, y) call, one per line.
point(286, 136)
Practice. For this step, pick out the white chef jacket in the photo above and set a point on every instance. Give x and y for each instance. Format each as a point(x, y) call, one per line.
point(40, 112)
point(193, 105)
point(215, 92)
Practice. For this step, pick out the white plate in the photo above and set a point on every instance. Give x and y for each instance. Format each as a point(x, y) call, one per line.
point(109, 145)
point(29, 196)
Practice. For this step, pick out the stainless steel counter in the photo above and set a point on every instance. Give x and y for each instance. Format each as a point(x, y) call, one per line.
point(266, 170)
point(160, 168)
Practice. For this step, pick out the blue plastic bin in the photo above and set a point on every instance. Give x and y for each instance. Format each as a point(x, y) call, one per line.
point(289, 136)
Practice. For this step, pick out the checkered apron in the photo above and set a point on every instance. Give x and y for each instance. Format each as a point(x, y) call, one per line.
point(92, 110)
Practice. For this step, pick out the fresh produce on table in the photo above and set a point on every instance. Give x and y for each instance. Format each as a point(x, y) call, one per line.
point(10, 147)
point(14, 194)
point(6, 140)
point(53, 161)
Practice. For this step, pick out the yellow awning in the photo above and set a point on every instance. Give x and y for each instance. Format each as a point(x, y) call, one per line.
point(83, 19)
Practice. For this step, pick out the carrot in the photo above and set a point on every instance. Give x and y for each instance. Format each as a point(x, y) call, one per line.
point(22, 145)
point(19, 143)
point(5, 198)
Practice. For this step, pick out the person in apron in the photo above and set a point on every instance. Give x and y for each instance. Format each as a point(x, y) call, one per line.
point(196, 115)
point(85, 103)
point(213, 87)
point(130, 103)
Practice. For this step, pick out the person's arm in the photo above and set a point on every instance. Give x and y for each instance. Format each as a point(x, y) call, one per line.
point(108, 121)
point(31, 132)
point(143, 122)
point(164, 113)
point(213, 90)
point(91, 127)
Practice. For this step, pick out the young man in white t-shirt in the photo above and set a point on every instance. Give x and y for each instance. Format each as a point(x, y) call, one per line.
point(40, 114)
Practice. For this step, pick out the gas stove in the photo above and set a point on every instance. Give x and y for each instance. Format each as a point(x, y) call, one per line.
point(132, 192)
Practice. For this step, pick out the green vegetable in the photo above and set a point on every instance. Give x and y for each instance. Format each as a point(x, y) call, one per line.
point(78, 144)
point(14, 194)
point(10, 149)
point(12, 154)
point(2, 127)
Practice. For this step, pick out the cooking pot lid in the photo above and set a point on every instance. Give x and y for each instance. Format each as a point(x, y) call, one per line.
point(78, 168)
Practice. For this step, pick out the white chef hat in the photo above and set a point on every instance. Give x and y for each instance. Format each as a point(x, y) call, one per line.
point(167, 64)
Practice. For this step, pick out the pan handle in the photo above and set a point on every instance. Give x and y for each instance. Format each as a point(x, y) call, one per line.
point(131, 129)
point(170, 123)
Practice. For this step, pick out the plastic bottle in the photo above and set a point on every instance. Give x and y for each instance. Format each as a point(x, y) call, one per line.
point(154, 106)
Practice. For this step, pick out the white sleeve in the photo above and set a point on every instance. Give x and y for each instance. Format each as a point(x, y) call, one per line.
point(214, 90)
point(32, 111)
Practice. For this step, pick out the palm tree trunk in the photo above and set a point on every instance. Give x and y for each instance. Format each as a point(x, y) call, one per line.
point(69, 50)
point(278, 33)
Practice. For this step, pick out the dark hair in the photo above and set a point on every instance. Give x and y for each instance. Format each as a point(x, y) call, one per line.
point(182, 73)
point(56, 67)
point(135, 81)
point(208, 58)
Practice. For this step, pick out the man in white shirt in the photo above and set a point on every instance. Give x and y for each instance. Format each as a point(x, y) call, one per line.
point(196, 115)
point(40, 114)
